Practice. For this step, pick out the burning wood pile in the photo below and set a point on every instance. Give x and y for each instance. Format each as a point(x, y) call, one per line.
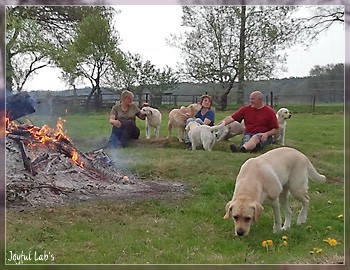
point(43, 167)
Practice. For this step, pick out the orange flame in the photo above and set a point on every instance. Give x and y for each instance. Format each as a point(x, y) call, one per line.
point(45, 134)
point(75, 159)
point(75, 156)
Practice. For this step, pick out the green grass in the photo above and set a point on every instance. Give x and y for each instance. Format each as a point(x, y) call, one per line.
point(189, 229)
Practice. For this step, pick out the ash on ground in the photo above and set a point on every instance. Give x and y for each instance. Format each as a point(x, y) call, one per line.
point(56, 180)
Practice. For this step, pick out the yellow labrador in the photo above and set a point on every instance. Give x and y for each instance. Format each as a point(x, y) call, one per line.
point(282, 115)
point(202, 135)
point(178, 118)
point(153, 120)
point(271, 176)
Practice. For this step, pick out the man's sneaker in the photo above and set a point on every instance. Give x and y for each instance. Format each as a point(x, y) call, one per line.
point(242, 149)
point(235, 149)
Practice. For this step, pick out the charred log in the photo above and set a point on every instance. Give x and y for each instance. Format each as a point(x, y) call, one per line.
point(26, 160)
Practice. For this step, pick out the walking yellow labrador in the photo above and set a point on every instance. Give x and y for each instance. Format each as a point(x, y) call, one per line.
point(271, 176)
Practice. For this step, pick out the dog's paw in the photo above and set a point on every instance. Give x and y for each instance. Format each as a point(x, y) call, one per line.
point(284, 228)
point(277, 229)
point(301, 220)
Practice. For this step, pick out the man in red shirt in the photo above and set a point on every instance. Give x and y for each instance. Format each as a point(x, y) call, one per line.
point(260, 123)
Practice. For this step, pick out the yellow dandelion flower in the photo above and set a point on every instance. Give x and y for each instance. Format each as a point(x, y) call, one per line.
point(285, 237)
point(267, 244)
point(311, 252)
point(285, 243)
point(331, 241)
point(340, 216)
point(319, 250)
point(329, 228)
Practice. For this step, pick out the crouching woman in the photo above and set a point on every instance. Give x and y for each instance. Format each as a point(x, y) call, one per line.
point(123, 120)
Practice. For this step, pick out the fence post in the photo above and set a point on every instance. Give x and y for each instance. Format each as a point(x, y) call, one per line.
point(175, 101)
point(271, 97)
point(313, 103)
point(275, 100)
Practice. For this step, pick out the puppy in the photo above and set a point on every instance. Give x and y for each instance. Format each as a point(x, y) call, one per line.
point(178, 118)
point(202, 135)
point(282, 115)
point(153, 120)
point(271, 176)
point(230, 130)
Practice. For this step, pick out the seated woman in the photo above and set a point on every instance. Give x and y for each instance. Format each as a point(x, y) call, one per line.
point(123, 119)
point(205, 116)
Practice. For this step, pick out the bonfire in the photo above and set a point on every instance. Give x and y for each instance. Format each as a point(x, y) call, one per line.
point(43, 165)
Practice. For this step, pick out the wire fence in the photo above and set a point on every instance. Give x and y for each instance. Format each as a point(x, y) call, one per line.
point(60, 104)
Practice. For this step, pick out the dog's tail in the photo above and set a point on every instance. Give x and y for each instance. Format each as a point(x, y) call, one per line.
point(313, 174)
point(217, 127)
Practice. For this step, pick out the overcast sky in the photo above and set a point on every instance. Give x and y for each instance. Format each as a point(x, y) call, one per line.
point(143, 30)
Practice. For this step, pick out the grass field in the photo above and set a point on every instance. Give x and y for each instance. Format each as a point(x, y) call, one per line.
point(189, 229)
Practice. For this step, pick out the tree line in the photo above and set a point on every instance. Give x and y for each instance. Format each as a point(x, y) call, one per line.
point(225, 45)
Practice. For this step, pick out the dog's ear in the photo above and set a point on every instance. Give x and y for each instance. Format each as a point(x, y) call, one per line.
point(228, 208)
point(258, 208)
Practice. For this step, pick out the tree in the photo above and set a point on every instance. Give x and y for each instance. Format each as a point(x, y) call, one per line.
point(326, 81)
point(93, 53)
point(140, 75)
point(164, 80)
point(320, 19)
point(31, 35)
point(135, 75)
point(229, 44)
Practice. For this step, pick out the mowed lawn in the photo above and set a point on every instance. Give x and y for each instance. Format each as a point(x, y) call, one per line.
point(189, 228)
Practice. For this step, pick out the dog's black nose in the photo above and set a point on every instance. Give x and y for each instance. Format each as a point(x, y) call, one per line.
point(240, 232)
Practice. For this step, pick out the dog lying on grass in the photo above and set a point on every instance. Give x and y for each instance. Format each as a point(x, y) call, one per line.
point(202, 135)
point(153, 120)
point(230, 130)
point(178, 118)
point(282, 115)
point(271, 176)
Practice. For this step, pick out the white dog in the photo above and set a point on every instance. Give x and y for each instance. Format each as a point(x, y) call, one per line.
point(153, 120)
point(202, 135)
point(178, 118)
point(282, 115)
point(271, 176)
point(230, 130)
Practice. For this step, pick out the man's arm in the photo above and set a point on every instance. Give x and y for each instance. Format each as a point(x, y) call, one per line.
point(228, 120)
point(269, 133)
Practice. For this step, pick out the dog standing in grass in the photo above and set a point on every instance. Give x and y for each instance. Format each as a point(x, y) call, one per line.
point(178, 118)
point(153, 120)
point(271, 176)
point(282, 115)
